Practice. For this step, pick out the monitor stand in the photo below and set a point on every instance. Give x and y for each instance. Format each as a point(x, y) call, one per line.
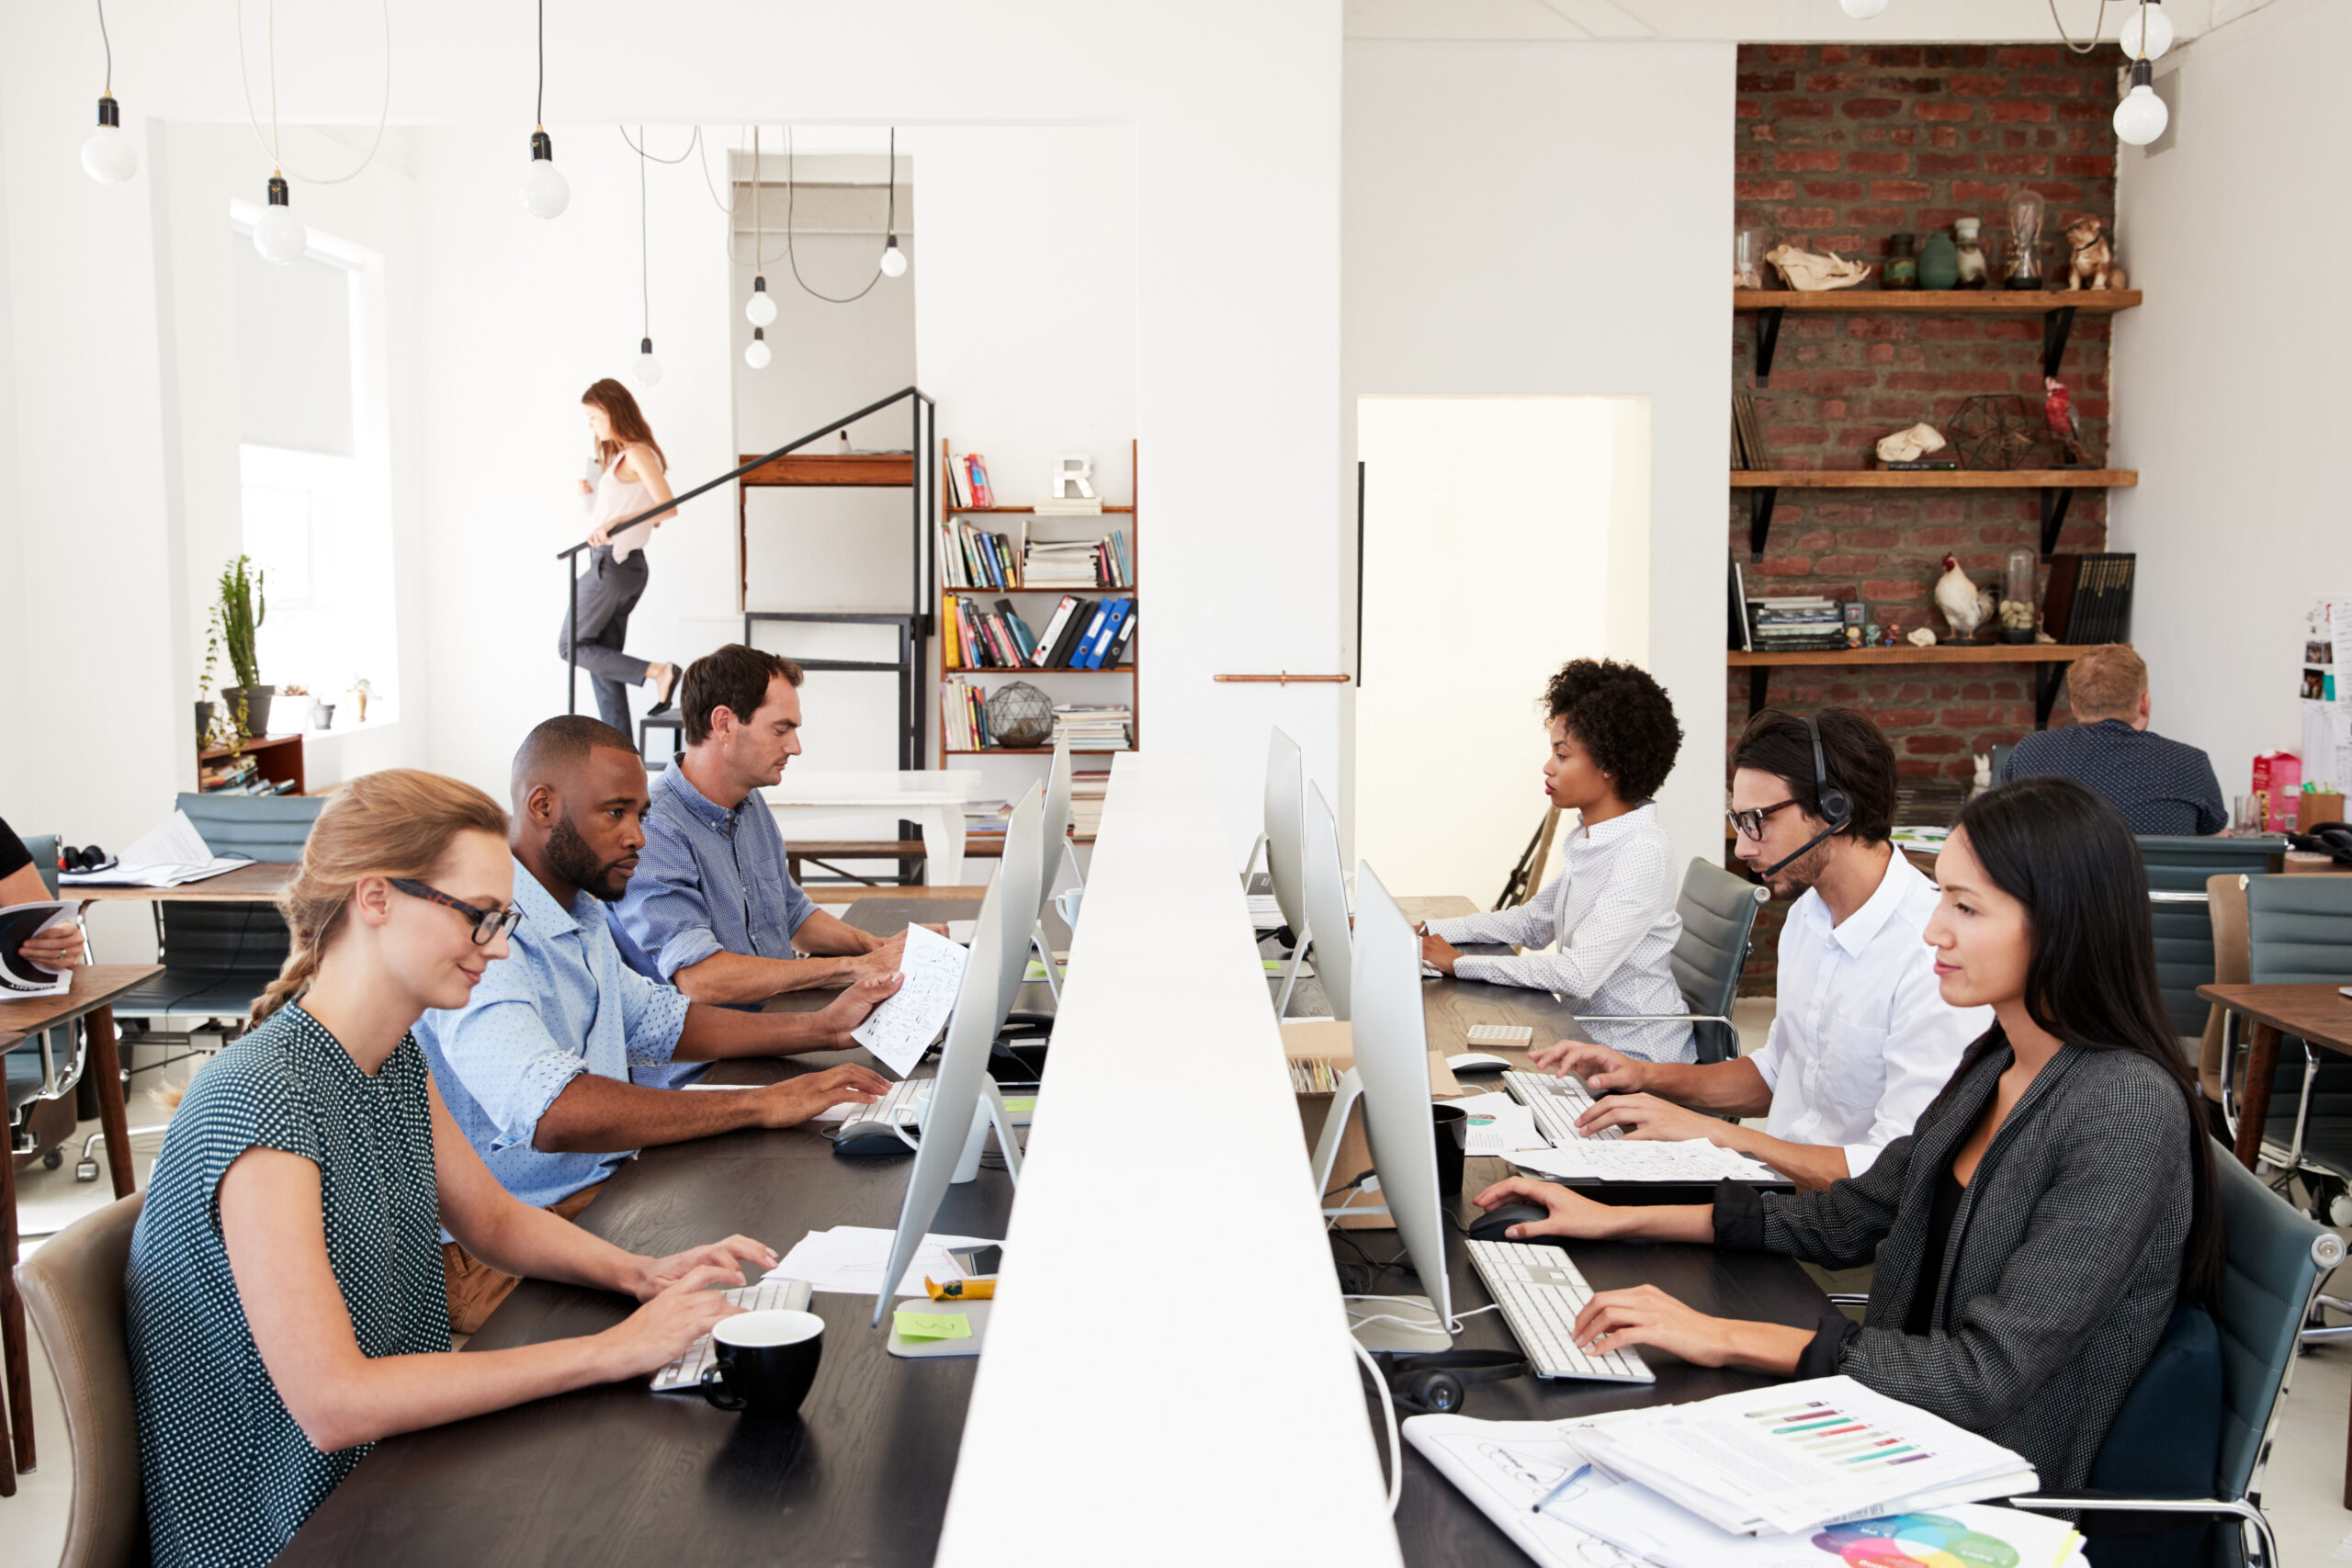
point(943, 1349)
point(1421, 1333)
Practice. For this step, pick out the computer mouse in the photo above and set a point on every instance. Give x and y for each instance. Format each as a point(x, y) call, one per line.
point(1477, 1061)
point(869, 1137)
point(1491, 1225)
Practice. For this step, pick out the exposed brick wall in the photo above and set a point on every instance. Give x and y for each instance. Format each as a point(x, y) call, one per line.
point(1840, 148)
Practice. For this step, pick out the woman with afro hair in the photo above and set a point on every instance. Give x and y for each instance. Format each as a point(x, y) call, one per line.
point(1609, 914)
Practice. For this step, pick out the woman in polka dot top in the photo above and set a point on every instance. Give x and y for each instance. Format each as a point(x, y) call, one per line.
point(285, 1295)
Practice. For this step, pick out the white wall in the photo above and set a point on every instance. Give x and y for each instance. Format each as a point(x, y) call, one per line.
point(1551, 219)
point(2231, 397)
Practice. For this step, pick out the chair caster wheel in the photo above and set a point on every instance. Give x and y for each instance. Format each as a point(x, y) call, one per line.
point(85, 1170)
point(53, 1159)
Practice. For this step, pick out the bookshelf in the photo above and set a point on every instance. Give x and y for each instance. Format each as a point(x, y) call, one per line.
point(277, 760)
point(1021, 526)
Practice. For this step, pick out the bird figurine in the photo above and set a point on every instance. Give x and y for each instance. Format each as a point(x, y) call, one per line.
point(2058, 409)
point(1956, 597)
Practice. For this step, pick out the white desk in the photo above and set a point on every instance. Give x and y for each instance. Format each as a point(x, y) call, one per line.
point(1221, 1417)
point(932, 797)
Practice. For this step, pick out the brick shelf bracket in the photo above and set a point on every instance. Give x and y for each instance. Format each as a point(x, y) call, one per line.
point(1767, 338)
point(2048, 680)
point(1759, 520)
point(2056, 326)
point(2055, 502)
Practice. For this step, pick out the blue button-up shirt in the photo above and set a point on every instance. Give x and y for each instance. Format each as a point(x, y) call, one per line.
point(560, 1003)
point(2159, 785)
point(709, 880)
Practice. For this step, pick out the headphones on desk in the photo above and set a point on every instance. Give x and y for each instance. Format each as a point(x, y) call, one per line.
point(91, 858)
point(1836, 807)
point(1435, 1385)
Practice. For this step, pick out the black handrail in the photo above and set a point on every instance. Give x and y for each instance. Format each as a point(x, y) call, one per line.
point(785, 450)
point(915, 466)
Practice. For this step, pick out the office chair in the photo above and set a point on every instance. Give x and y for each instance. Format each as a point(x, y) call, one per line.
point(218, 957)
point(2177, 869)
point(2195, 1432)
point(2299, 931)
point(1718, 912)
point(72, 1287)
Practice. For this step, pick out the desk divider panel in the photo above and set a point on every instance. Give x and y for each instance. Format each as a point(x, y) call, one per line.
point(1169, 1374)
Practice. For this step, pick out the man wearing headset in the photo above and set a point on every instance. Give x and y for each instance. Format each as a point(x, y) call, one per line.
point(1863, 1040)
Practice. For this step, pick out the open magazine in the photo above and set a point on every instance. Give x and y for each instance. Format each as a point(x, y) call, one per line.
point(19, 976)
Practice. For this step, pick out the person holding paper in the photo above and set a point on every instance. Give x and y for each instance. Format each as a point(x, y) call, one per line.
point(59, 946)
point(535, 1062)
point(1863, 1039)
point(713, 909)
point(284, 1293)
point(1610, 913)
point(2053, 1204)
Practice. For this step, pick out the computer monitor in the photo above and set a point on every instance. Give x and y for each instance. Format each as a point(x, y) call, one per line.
point(1018, 881)
point(1285, 831)
point(1391, 1044)
point(952, 1132)
point(1327, 905)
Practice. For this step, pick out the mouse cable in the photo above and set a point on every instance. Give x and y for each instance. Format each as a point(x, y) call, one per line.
point(1453, 1324)
point(1388, 1414)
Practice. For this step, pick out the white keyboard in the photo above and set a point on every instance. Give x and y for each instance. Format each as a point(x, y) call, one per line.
point(1541, 1294)
point(1556, 1103)
point(684, 1374)
point(903, 1104)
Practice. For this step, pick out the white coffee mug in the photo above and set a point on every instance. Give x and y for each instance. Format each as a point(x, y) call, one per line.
point(1066, 904)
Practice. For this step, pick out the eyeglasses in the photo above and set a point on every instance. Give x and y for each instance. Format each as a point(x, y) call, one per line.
point(1750, 824)
point(489, 924)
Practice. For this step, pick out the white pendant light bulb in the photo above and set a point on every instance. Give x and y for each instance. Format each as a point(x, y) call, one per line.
point(649, 369)
point(546, 193)
point(1862, 10)
point(2147, 32)
point(893, 260)
point(107, 156)
point(757, 353)
point(2142, 117)
point(278, 235)
point(760, 309)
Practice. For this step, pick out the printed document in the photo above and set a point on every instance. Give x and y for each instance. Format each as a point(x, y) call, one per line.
point(903, 1028)
point(850, 1258)
point(1624, 1159)
point(1498, 1125)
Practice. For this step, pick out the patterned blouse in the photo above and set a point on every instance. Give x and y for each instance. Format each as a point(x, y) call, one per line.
point(228, 1475)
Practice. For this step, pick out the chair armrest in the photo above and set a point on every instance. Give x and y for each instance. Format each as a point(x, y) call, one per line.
point(2243, 1511)
point(1845, 1301)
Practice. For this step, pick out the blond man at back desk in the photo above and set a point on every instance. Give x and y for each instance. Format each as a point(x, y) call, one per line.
point(1863, 1040)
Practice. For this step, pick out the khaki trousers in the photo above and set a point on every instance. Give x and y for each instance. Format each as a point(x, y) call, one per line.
point(475, 1288)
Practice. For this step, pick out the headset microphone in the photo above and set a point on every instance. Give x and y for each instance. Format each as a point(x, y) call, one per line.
point(1837, 808)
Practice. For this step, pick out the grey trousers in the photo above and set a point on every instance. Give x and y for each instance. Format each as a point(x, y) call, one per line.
point(608, 590)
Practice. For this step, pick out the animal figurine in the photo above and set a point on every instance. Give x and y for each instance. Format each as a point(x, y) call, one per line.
point(1813, 272)
point(2094, 259)
point(2058, 412)
point(1983, 779)
point(1957, 597)
point(1908, 445)
point(1920, 637)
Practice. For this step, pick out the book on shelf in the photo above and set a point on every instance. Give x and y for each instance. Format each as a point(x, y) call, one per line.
point(958, 496)
point(1077, 563)
point(1095, 727)
point(982, 636)
point(976, 482)
point(1748, 447)
point(2088, 597)
point(963, 715)
point(974, 557)
point(1796, 624)
point(1742, 641)
point(986, 818)
point(1087, 791)
point(1086, 634)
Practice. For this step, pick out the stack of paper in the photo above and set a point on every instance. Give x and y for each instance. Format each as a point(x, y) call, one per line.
point(167, 854)
point(1498, 1125)
point(1264, 913)
point(1093, 727)
point(1087, 793)
point(1627, 1159)
point(850, 1258)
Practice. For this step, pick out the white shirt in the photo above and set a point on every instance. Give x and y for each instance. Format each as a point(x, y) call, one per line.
point(1863, 1039)
point(1611, 912)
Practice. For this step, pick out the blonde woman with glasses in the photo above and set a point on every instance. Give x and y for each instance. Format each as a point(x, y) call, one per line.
point(286, 1299)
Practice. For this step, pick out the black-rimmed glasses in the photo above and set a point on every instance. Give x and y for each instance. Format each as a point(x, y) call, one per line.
point(1750, 823)
point(489, 924)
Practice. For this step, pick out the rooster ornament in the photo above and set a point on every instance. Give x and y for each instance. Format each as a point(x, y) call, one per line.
point(1963, 605)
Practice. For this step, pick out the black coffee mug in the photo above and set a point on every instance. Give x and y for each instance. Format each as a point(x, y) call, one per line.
point(1452, 1134)
point(764, 1362)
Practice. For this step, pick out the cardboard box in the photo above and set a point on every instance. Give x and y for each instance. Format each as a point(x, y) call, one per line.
point(1330, 1042)
point(2319, 808)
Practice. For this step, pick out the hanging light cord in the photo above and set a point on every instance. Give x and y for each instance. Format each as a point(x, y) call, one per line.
point(109, 46)
point(269, 144)
point(794, 259)
point(2099, 25)
point(539, 104)
point(637, 146)
point(644, 272)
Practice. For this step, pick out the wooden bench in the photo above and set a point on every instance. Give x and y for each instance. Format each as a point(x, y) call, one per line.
point(908, 852)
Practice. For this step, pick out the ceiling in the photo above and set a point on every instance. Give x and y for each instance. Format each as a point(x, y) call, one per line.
point(1762, 21)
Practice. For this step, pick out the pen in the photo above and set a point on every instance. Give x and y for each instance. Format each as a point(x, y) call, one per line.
point(1578, 1473)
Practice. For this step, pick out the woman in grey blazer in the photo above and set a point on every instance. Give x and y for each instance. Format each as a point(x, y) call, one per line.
point(2049, 1210)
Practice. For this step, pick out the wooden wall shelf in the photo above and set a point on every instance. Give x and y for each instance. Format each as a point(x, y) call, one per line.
point(2057, 486)
point(2050, 661)
point(873, 469)
point(2056, 307)
point(1108, 510)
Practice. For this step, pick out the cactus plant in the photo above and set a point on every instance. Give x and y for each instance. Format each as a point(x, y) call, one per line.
point(242, 608)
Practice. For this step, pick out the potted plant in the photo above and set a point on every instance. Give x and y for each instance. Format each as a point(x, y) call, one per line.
point(242, 609)
point(204, 706)
point(357, 697)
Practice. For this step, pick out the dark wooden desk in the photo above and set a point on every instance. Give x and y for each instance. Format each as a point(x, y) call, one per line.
point(1440, 1528)
point(95, 985)
point(2318, 1014)
point(259, 882)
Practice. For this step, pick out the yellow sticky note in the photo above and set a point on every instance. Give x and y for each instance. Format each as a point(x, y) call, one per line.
point(1023, 1104)
point(933, 1325)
